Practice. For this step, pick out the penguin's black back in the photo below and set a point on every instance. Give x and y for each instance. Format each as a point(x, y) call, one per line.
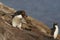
point(19, 12)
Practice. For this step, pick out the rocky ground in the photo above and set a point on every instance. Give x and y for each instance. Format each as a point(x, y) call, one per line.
point(39, 31)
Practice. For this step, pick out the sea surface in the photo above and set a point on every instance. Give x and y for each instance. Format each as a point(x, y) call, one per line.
point(46, 11)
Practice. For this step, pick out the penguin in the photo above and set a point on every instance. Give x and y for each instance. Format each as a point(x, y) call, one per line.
point(18, 19)
point(54, 30)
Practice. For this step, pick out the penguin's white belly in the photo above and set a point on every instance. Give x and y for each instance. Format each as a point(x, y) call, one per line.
point(56, 32)
point(16, 22)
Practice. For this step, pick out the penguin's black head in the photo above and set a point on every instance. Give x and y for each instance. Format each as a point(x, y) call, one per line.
point(55, 24)
point(19, 12)
point(23, 13)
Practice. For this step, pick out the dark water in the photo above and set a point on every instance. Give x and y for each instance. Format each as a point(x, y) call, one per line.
point(47, 11)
